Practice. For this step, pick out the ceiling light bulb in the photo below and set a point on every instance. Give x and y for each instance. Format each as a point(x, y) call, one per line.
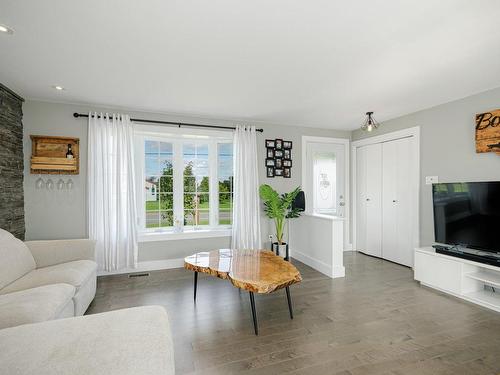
point(6, 29)
point(59, 88)
point(369, 127)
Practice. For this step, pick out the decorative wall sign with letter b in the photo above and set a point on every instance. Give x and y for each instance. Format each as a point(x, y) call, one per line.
point(488, 131)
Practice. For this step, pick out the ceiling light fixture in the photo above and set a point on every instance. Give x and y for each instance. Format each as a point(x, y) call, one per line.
point(58, 88)
point(370, 123)
point(6, 29)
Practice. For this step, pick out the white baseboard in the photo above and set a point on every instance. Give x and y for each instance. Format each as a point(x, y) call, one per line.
point(151, 265)
point(338, 271)
point(318, 265)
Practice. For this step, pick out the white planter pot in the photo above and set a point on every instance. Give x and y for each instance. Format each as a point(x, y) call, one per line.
point(281, 249)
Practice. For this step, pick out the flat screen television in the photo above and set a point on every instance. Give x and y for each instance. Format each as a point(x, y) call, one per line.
point(468, 214)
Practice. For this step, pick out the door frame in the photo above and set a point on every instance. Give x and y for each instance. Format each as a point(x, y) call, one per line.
point(347, 193)
point(415, 162)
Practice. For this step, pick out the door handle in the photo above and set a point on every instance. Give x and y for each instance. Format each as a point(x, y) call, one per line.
point(394, 201)
point(367, 199)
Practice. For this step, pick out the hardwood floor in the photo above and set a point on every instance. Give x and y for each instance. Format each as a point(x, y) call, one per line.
point(376, 320)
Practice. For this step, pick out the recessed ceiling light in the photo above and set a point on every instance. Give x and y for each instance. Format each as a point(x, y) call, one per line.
point(58, 88)
point(6, 29)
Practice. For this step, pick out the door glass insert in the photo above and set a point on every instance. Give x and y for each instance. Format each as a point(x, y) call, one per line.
point(324, 183)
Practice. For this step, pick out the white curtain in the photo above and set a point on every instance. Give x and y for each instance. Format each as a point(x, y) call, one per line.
point(246, 210)
point(112, 211)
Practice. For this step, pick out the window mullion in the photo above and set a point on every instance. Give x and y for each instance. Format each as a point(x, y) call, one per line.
point(213, 186)
point(178, 183)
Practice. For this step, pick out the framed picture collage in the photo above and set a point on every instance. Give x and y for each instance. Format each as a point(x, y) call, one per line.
point(278, 158)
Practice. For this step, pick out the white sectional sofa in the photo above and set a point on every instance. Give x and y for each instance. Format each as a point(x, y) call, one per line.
point(44, 280)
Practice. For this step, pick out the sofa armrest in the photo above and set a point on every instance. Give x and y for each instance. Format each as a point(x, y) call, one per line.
point(48, 253)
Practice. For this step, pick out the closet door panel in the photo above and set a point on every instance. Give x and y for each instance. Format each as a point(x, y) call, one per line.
point(361, 198)
point(396, 208)
point(404, 212)
point(389, 203)
point(373, 200)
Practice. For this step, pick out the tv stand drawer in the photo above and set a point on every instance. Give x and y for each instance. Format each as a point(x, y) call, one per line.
point(438, 272)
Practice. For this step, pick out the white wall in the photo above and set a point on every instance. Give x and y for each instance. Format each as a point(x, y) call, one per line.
point(447, 148)
point(317, 241)
point(58, 215)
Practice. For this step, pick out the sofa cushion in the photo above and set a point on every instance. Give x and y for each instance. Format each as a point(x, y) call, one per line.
point(74, 273)
point(15, 259)
point(36, 305)
point(122, 342)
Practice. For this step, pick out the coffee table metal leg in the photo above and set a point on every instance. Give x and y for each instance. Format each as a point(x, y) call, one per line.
point(254, 314)
point(195, 283)
point(289, 298)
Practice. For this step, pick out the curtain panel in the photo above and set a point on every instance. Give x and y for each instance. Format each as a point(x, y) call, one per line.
point(112, 210)
point(246, 210)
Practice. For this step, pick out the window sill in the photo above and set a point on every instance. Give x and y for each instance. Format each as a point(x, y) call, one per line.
point(173, 236)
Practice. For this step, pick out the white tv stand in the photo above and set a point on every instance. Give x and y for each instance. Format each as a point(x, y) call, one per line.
point(461, 278)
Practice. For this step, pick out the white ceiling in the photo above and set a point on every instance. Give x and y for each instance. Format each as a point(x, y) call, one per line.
point(297, 62)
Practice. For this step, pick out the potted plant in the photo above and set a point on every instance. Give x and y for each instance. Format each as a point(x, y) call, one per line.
point(279, 208)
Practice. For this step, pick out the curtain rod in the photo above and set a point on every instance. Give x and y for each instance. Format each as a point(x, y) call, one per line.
point(179, 124)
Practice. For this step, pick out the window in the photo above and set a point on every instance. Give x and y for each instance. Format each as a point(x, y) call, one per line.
point(186, 182)
point(225, 176)
point(196, 184)
point(158, 185)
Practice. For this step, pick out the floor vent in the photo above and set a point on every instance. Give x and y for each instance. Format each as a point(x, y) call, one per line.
point(143, 274)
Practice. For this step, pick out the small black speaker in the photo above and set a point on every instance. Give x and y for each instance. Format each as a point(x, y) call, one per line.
point(299, 202)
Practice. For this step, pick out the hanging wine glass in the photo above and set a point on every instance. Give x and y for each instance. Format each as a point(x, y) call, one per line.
point(49, 184)
point(69, 184)
point(60, 184)
point(39, 184)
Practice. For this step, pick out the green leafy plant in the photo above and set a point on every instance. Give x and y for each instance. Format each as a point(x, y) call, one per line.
point(279, 207)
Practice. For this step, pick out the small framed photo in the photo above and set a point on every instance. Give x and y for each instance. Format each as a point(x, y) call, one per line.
point(278, 172)
point(287, 173)
point(278, 153)
point(270, 153)
point(270, 172)
point(287, 154)
point(278, 163)
point(270, 143)
point(287, 145)
point(287, 163)
point(279, 144)
point(270, 162)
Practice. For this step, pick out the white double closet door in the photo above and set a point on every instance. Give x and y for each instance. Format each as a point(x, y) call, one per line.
point(384, 193)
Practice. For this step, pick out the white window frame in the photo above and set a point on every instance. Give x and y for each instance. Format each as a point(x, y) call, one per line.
point(177, 137)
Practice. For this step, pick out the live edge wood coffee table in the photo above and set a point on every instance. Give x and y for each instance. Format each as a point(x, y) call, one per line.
point(258, 271)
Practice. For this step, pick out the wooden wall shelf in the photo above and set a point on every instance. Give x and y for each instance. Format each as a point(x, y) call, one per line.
point(48, 155)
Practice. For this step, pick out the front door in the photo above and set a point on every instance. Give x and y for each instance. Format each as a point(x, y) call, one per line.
point(325, 178)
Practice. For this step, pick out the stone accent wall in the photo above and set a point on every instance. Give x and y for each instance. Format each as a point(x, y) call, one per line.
point(11, 163)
